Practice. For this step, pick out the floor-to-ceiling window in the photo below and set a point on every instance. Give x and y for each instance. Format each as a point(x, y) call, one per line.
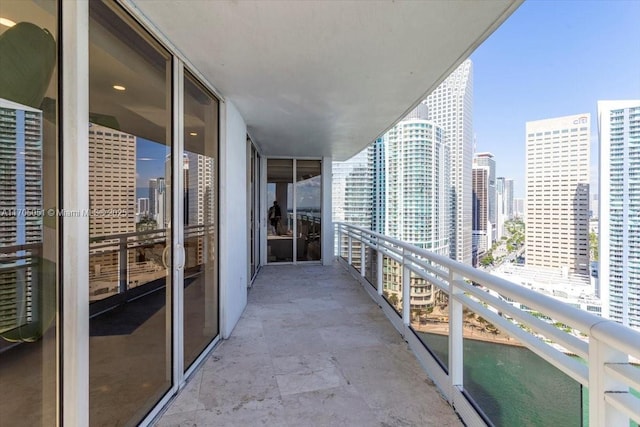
point(28, 220)
point(130, 175)
point(200, 219)
point(294, 200)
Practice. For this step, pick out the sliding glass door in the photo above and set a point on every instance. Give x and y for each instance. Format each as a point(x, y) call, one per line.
point(130, 170)
point(200, 174)
point(294, 200)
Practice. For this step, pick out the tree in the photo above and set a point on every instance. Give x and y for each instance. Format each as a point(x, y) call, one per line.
point(593, 246)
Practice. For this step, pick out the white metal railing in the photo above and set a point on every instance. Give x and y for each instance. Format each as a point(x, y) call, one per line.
point(607, 371)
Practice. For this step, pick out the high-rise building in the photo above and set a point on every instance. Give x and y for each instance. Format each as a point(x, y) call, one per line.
point(481, 224)
point(112, 180)
point(352, 189)
point(153, 197)
point(518, 208)
point(379, 185)
point(487, 160)
point(143, 206)
point(501, 207)
point(450, 106)
point(161, 197)
point(619, 269)
point(508, 198)
point(557, 193)
point(417, 184)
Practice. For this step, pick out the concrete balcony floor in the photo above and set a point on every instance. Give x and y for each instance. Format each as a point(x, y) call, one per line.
point(311, 349)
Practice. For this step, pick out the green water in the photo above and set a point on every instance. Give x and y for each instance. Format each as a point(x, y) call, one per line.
point(515, 387)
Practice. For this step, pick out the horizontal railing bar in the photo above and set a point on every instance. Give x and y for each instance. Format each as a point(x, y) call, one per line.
point(568, 341)
point(564, 313)
point(424, 264)
point(441, 284)
point(625, 402)
point(566, 364)
point(625, 372)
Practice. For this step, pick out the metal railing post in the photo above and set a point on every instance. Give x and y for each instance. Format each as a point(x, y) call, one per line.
point(349, 243)
point(379, 281)
point(406, 291)
point(456, 337)
point(363, 263)
point(600, 412)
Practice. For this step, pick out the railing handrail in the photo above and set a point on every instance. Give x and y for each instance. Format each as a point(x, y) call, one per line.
point(565, 313)
point(608, 373)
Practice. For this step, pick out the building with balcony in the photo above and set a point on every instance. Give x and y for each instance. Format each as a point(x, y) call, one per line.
point(269, 94)
point(619, 218)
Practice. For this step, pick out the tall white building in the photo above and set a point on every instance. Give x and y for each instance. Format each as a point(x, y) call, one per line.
point(352, 188)
point(451, 107)
point(557, 193)
point(619, 131)
point(417, 185)
point(501, 207)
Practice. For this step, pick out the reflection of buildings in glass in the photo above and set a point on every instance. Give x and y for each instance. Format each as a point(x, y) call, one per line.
point(112, 180)
point(153, 196)
point(199, 205)
point(112, 184)
point(21, 197)
point(160, 207)
point(144, 206)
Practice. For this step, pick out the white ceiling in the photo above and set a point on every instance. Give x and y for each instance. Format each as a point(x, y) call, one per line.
point(315, 78)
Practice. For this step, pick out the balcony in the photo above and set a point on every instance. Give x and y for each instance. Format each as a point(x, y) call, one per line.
point(311, 345)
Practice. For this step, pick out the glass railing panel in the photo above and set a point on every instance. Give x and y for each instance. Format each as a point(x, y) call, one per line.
point(343, 247)
point(371, 266)
point(511, 384)
point(431, 323)
point(356, 255)
point(392, 283)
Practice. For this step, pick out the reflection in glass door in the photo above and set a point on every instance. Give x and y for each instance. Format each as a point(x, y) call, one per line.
point(200, 219)
point(308, 209)
point(28, 233)
point(129, 249)
point(293, 229)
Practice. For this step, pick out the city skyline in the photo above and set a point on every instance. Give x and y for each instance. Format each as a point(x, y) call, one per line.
point(553, 79)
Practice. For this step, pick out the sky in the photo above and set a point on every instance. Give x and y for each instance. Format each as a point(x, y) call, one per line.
point(552, 59)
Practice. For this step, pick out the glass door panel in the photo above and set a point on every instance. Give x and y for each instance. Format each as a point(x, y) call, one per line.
point(280, 210)
point(28, 229)
point(200, 219)
point(130, 199)
point(308, 209)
